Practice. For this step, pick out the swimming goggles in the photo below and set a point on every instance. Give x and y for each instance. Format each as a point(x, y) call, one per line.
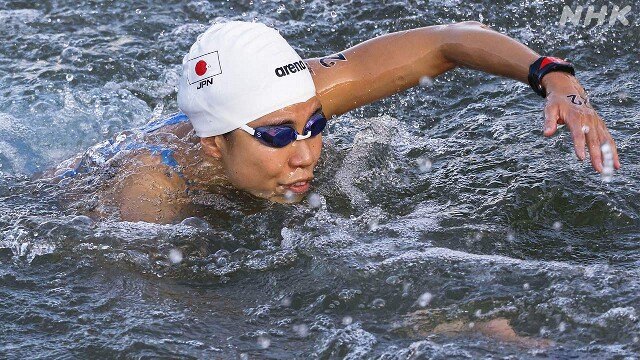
point(282, 135)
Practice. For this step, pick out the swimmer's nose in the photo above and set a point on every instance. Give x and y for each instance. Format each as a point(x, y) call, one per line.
point(301, 154)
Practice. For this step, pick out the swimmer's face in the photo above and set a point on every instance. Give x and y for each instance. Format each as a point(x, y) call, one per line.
point(278, 174)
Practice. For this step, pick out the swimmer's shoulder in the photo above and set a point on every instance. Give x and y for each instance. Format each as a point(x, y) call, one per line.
point(147, 190)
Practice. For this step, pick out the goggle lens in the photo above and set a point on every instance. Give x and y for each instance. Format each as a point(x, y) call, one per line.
point(282, 135)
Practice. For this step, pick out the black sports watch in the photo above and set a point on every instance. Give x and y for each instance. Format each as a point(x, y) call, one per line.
point(542, 67)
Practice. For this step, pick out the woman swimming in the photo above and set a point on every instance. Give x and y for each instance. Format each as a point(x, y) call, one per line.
point(256, 112)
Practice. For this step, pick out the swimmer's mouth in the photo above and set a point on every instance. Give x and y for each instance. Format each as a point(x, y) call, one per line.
point(299, 187)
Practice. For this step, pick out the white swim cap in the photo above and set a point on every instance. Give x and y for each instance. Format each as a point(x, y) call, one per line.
point(237, 72)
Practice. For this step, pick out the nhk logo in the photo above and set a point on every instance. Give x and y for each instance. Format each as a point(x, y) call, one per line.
point(617, 14)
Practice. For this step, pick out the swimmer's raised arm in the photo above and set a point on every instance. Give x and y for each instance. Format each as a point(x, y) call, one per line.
point(391, 63)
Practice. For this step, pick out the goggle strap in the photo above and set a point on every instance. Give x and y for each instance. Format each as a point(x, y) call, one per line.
point(302, 137)
point(248, 129)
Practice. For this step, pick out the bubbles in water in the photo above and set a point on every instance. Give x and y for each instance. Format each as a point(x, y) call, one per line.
point(426, 81)
point(347, 320)
point(81, 220)
point(471, 325)
point(378, 303)
point(138, 11)
point(478, 313)
point(195, 222)
point(334, 14)
point(424, 164)
point(69, 77)
point(71, 53)
point(544, 331)
point(281, 8)
point(90, 67)
point(314, 200)
point(636, 339)
point(607, 162)
point(264, 341)
point(526, 286)
point(424, 299)
point(175, 256)
point(301, 330)
point(557, 226)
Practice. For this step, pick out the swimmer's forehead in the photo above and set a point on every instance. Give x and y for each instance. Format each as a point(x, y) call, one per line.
point(281, 119)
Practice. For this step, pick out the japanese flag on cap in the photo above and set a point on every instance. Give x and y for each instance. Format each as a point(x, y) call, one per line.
point(237, 72)
point(203, 67)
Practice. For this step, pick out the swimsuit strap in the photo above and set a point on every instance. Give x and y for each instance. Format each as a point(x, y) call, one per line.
point(100, 153)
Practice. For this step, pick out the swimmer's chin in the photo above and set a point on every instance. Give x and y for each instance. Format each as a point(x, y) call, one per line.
point(288, 197)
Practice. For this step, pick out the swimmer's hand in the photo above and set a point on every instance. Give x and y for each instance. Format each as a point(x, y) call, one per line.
point(567, 103)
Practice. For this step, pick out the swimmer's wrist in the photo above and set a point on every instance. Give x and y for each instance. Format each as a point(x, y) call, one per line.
point(542, 68)
point(561, 82)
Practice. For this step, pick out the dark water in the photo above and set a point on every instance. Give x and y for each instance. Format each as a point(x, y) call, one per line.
point(504, 223)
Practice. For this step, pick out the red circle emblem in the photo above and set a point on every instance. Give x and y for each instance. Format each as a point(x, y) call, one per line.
point(201, 67)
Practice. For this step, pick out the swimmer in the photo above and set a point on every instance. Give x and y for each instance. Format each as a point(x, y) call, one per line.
point(254, 111)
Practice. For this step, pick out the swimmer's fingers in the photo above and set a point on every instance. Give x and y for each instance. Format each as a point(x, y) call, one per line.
point(604, 142)
point(588, 130)
point(551, 116)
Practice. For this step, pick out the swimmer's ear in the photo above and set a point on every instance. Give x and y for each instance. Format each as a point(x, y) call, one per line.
point(212, 145)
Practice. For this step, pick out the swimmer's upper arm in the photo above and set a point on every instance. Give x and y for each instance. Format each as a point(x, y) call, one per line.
point(377, 68)
point(391, 63)
point(152, 193)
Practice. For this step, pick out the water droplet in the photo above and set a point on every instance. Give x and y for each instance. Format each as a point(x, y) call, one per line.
point(289, 195)
point(636, 339)
point(175, 256)
point(607, 162)
point(315, 201)
point(347, 320)
point(393, 280)
point(424, 164)
point(373, 225)
point(426, 81)
point(424, 299)
point(585, 129)
point(90, 67)
point(511, 236)
point(334, 14)
point(301, 330)
point(69, 77)
point(526, 286)
point(378, 303)
point(264, 341)
point(138, 11)
point(557, 226)
point(562, 327)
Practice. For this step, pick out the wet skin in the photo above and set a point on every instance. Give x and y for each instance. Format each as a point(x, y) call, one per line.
point(278, 174)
